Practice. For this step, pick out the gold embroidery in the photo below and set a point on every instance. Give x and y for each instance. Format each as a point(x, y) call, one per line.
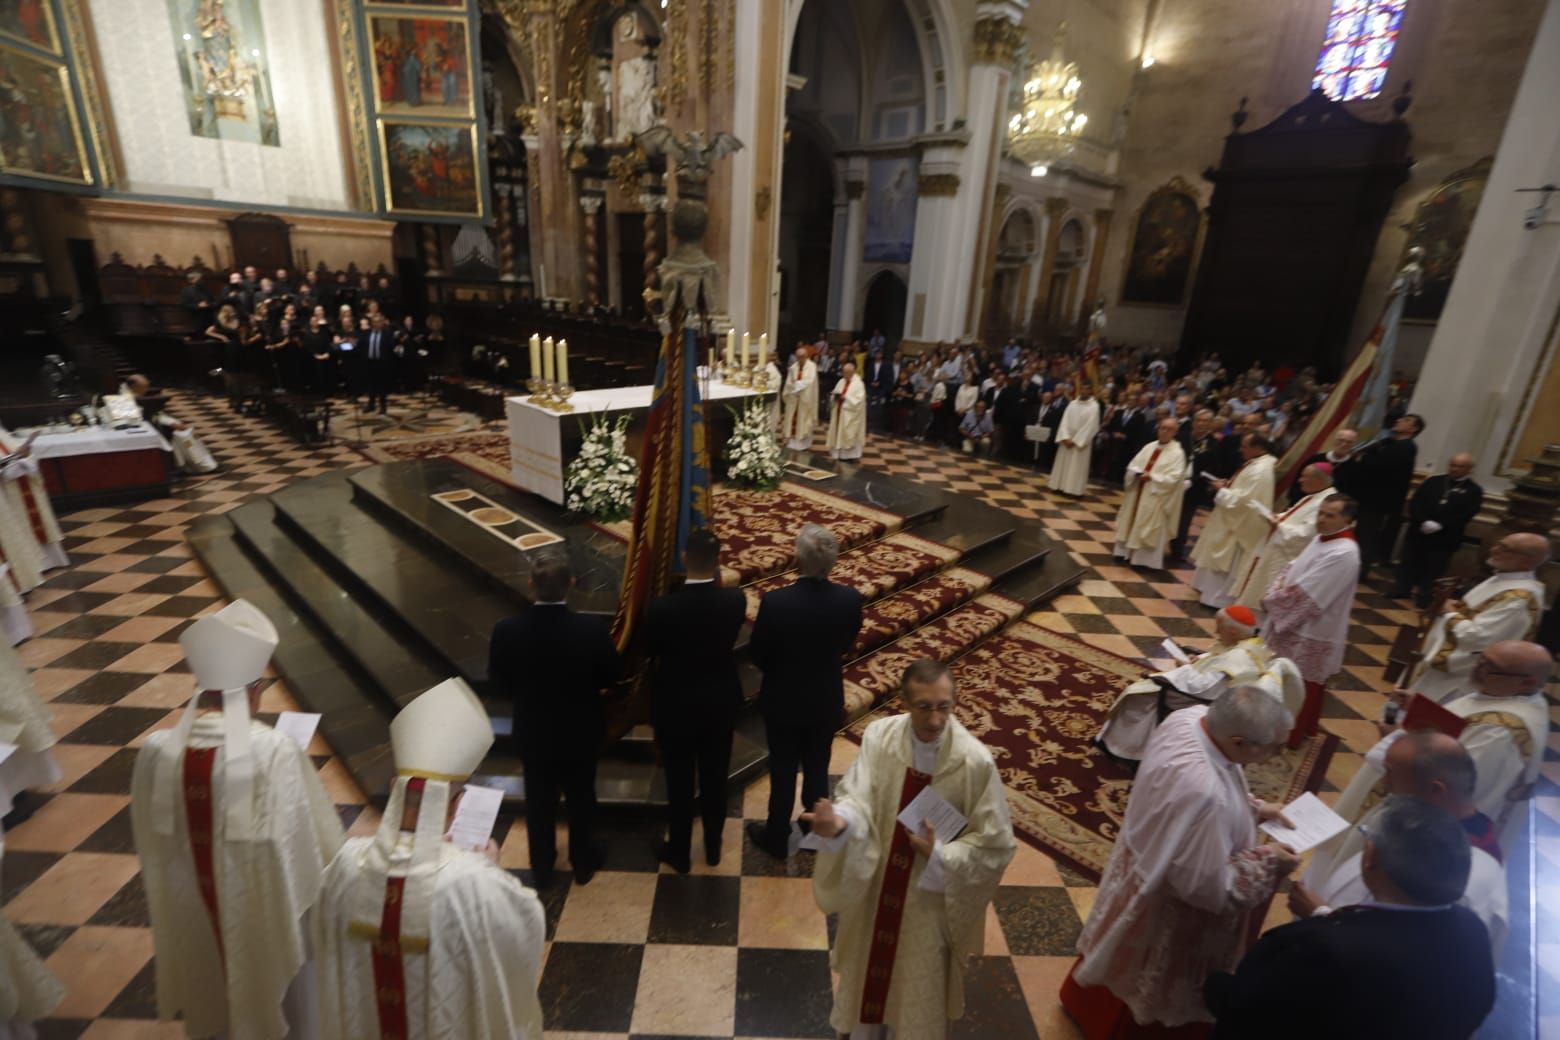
point(1467, 613)
point(370, 932)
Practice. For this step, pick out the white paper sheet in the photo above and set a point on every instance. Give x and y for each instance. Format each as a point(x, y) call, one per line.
point(946, 821)
point(1313, 823)
point(300, 725)
point(474, 818)
point(1177, 655)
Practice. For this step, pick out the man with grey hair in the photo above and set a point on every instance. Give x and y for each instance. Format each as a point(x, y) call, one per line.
point(1407, 961)
point(799, 642)
point(1186, 872)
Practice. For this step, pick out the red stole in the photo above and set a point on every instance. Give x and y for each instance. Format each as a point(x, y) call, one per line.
point(1132, 516)
point(389, 971)
point(890, 909)
point(198, 814)
point(34, 513)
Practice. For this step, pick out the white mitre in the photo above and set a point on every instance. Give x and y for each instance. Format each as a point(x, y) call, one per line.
point(438, 739)
point(227, 651)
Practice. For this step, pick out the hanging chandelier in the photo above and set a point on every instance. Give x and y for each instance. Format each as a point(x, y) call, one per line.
point(1046, 127)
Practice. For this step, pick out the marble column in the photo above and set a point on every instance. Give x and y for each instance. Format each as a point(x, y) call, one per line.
point(1478, 389)
point(590, 205)
point(1091, 283)
point(760, 39)
point(1055, 209)
point(848, 316)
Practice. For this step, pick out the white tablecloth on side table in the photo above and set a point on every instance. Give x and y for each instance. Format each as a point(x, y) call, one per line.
point(94, 440)
point(536, 456)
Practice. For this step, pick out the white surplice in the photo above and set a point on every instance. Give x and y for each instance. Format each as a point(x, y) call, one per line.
point(1135, 715)
point(1182, 879)
point(799, 406)
point(15, 624)
point(1502, 606)
point(19, 549)
point(1233, 530)
point(1151, 506)
point(28, 989)
point(848, 420)
point(24, 721)
point(1080, 422)
point(265, 886)
point(22, 482)
point(1296, 528)
point(944, 915)
point(1309, 603)
point(477, 976)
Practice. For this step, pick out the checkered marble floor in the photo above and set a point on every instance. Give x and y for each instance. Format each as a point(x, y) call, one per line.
point(739, 950)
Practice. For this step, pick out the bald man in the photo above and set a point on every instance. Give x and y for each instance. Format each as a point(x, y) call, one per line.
point(1506, 605)
point(1438, 514)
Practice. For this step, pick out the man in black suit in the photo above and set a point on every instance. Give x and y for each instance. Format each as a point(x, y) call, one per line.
point(375, 362)
point(799, 642)
point(1438, 514)
point(882, 374)
point(1341, 458)
point(554, 664)
point(1136, 424)
point(1408, 962)
point(695, 694)
point(1381, 474)
point(1205, 456)
point(1007, 412)
point(1052, 407)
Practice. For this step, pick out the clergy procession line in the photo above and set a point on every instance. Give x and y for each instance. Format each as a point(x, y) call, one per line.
point(267, 921)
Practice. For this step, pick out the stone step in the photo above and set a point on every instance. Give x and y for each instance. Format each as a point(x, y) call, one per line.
point(875, 570)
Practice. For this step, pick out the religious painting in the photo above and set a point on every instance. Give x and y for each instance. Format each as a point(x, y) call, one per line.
point(1164, 240)
point(226, 70)
point(40, 129)
point(422, 66)
point(430, 169)
point(890, 198)
point(1440, 230)
point(30, 21)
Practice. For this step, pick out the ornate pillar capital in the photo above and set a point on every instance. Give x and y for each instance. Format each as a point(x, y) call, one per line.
point(590, 204)
point(998, 32)
point(946, 184)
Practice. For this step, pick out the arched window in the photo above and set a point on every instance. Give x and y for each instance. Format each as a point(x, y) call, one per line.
point(1361, 35)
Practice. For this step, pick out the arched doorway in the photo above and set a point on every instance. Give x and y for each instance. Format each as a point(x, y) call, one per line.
point(887, 296)
point(1060, 306)
point(806, 237)
point(1010, 277)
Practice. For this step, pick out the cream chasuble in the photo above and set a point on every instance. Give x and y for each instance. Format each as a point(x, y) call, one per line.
point(19, 547)
point(1503, 606)
point(24, 721)
point(15, 624)
point(848, 422)
point(1135, 715)
point(799, 406)
point(22, 483)
point(1296, 527)
point(1234, 529)
point(1151, 507)
point(1075, 446)
point(933, 912)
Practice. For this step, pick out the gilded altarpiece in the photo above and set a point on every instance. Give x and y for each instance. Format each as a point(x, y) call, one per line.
point(42, 136)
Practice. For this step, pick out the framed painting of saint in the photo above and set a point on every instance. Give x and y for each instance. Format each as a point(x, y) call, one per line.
point(421, 66)
point(1164, 244)
point(430, 169)
point(40, 128)
point(1440, 229)
point(30, 21)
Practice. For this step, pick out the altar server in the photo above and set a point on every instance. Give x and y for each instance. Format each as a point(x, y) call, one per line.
point(24, 723)
point(22, 483)
point(1186, 872)
point(234, 830)
point(848, 419)
point(912, 906)
point(1075, 443)
point(1238, 523)
point(1309, 603)
point(1288, 534)
point(799, 401)
point(1506, 605)
point(419, 939)
point(1151, 506)
point(28, 989)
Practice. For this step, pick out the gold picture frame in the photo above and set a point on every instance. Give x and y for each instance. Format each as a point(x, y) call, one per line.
point(45, 85)
point(50, 30)
point(431, 169)
point(1160, 236)
point(404, 70)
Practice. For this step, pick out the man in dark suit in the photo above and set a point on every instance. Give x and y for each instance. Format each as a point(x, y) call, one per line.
point(882, 373)
point(1007, 411)
point(1408, 962)
point(375, 362)
point(1438, 514)
point(1381, 474)
point(1136, 424)
point(1341, 458)
point(799, 642)
point(1052, 407)
point(695, 695)
point(1206, 456)
point(554, 664)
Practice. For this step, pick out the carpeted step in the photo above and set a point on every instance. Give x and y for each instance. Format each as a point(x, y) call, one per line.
point(875, 570)
point(908, 609)
point(877, 675)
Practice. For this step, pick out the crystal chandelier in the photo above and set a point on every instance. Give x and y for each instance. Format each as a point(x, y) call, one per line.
point(1046, 127)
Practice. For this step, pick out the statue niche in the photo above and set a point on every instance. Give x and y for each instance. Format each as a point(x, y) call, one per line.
point(620, 100)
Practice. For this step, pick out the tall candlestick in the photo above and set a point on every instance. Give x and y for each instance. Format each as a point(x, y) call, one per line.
point(763, 351)
point(563, 362)
point(547, 359)
point(536, 356)
point(731, 349)
point(744, 350)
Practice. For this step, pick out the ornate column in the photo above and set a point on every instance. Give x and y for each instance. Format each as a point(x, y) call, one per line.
point(1055, 208)
point(433, 250)
point(506, 233)
point(653, 203)
point(1091, 283)
point(981, 308)
point(590, 205)
point(847, 316)
point(757, 53)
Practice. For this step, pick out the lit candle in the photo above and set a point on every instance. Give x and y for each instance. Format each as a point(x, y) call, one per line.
point(763, 351)
point(536, 356)
point(731, 349)
point(563, 362)
point(547, 359)
point(744, 350)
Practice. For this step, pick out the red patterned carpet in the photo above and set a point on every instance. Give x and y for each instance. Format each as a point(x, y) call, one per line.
point(1036, 699)
point(874, 570)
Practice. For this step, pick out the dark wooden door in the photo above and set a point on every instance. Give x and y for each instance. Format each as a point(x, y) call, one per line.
point(262, 240)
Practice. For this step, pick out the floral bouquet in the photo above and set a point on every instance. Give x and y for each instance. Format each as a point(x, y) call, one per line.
point(753, 453)
point(602, 479)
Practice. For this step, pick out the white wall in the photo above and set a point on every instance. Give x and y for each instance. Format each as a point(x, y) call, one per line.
point(141, 73)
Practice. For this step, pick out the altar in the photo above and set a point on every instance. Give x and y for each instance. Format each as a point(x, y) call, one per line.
point(543, 442)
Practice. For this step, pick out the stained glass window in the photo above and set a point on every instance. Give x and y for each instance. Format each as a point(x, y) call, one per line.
point(1358, 47)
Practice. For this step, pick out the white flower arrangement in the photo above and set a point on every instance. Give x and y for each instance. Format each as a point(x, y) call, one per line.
point(602, 479)
point(753, 454)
